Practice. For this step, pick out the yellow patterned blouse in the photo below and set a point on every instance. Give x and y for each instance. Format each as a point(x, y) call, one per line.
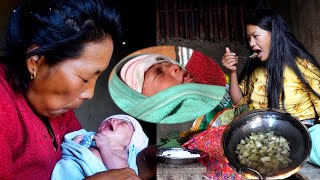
point(298, 101)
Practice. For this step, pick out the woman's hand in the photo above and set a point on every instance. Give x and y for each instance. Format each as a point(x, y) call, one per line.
point(115, 174)
point(147, 163)
point(230, 60)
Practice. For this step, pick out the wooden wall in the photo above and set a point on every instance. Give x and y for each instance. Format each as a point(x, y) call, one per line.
point(209, 20)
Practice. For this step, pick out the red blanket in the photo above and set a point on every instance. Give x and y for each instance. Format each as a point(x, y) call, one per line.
point(205, 70)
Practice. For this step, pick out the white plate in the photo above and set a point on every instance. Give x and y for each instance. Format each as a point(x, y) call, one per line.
point(178, 159)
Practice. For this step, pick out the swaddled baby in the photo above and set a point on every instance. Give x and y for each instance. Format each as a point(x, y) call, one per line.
point(115, 145)
point(156, 89)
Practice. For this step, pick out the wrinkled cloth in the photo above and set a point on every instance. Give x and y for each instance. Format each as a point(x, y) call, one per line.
point(88, 141)
point(210, 141)
point(314, 157)
point(177, 104)
point(79, 162)
point(205, 70)
point(132, 73)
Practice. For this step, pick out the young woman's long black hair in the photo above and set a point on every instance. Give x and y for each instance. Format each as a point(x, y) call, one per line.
point(59, 28)
point(284, 50)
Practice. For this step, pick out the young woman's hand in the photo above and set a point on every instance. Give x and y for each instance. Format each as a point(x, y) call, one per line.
point(230, 60)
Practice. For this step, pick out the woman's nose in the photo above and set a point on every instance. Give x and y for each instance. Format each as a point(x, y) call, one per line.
point(89, 91)
point(252, 43)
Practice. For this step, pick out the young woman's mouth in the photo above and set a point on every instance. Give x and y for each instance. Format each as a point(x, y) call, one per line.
point(256, 54)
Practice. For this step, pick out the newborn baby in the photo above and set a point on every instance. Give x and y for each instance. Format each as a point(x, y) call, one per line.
point(115, 145)
point(111, 140)
point(157, 89)
point(151, 73)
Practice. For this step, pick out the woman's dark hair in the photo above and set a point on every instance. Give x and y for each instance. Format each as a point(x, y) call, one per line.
point(59, 28)
point(284, 50)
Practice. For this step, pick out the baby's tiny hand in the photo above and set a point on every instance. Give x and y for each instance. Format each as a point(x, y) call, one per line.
point(78, 138)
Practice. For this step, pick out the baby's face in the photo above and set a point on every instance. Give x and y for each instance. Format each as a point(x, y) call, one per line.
point(118, 131)
point(162, 76)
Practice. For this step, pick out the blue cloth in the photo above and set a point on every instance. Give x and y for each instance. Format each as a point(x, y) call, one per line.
point(314, 157)
point(79, 162)
point(88, 141)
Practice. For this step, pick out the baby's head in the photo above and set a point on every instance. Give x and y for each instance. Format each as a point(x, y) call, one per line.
point(150, 73)
point(123, 130)
point(118, 130)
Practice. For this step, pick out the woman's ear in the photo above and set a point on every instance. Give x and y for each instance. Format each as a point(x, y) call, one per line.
point(33, 63)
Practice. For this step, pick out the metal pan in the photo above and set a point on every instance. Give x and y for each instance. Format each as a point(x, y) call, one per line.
point(265, 120)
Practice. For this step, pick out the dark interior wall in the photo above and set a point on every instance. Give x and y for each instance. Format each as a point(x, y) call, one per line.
point(303, 16)
point(5, 8)
point(138, 24)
